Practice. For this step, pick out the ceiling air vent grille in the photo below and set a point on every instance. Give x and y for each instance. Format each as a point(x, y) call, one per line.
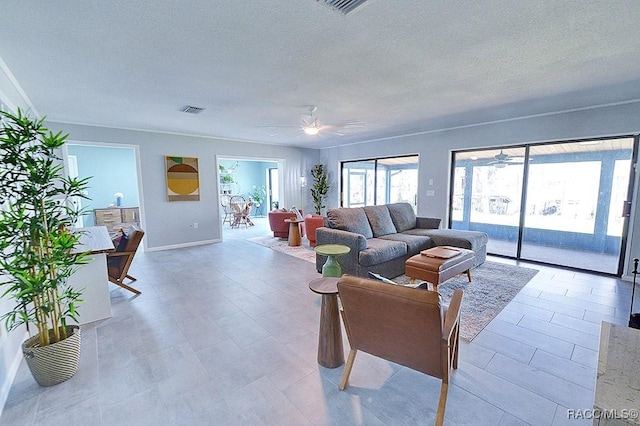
point(192, 110)
point(342, 6)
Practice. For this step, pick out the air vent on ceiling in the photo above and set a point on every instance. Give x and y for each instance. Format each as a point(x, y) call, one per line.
point(342, 6)
point(192, 110)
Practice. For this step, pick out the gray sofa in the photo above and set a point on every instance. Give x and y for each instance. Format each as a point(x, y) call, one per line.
point(382, 237)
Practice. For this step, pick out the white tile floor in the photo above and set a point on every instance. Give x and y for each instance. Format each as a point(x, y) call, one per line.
point(227, 334)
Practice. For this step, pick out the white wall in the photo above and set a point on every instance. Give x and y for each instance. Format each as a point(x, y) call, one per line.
point(167, 224)
point(435, 151)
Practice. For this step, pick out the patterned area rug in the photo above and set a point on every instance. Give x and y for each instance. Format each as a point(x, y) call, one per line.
point(493, 286)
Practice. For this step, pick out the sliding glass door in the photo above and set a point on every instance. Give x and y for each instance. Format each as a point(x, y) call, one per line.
point(557, 203)
point(487, 195)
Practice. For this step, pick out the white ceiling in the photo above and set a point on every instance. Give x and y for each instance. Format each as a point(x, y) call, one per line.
point(400, 67)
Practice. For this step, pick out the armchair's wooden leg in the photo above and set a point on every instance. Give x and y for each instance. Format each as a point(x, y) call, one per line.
point(131, 289)
point(456, 346)
point(126, 287)
point(442, 402)
point(131, 278)
point(347, 369)
point(469, 274)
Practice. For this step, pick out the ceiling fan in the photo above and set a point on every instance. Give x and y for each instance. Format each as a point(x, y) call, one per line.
point(502, 160)
point(310, 125)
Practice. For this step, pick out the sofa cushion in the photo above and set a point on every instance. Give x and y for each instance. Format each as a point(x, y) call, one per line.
point(471, 240)
point(351, 220)
point(379, 251)
point(402, 215)
point(380, 220)
point(415, 243)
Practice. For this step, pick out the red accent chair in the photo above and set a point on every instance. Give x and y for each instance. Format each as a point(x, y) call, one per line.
point(278, 226)
point(311, 223)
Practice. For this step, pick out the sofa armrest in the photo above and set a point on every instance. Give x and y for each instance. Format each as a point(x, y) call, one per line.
point(428, 222)
point(349, 261)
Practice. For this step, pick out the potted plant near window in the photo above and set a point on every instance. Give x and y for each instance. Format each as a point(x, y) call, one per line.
point(258, 195)
point(320, 187)
point(37, 245)
point(319, 192)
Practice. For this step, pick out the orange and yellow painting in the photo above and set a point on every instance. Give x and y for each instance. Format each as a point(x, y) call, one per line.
point(182, 179)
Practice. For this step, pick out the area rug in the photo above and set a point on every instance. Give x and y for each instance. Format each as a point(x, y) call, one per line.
point(303, 251)
point(493, 286)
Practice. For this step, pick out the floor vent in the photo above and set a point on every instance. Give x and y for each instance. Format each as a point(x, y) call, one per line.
point(192, 110)
point(342, 6)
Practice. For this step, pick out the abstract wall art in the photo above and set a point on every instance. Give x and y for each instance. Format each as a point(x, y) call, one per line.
point(182, 179)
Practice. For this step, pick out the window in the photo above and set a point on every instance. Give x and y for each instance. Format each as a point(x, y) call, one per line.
point(380, 181)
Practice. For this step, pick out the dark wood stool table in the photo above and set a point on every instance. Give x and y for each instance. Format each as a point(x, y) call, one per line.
point(330, 352)
point(294, 232)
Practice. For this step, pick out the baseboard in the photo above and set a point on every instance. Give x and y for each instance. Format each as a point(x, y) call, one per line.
point(184, 245)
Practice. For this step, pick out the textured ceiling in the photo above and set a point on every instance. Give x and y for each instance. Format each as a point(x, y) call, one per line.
point(399, 67)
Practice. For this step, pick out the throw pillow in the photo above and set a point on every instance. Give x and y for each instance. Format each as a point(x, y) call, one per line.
point(115, 239)
point(380, 220)
point(120, 240)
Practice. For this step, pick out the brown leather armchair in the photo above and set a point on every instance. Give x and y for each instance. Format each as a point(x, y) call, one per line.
point(408, 326)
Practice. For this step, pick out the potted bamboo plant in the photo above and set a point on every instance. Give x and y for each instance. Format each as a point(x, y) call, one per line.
point(38, 247)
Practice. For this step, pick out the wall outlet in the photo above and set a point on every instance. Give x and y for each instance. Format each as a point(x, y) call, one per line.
point(431, 193)
point(194, 225)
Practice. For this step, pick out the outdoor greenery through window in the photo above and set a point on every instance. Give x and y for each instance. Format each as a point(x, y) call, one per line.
point(558, 203)
point(380, 181)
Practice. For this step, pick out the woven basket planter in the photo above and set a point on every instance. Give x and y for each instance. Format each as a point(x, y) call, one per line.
point(54, 363)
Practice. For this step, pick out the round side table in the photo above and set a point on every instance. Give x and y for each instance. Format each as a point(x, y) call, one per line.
point(294, 232)
point(330, 352)
point(331, 267)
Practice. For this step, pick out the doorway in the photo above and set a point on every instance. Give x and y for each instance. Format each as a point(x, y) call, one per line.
point(113, 185)
point(273, 188)
point(559, 203)
point(247, 178)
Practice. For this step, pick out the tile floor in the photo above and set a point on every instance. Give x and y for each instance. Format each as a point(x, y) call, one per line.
point(226, 334)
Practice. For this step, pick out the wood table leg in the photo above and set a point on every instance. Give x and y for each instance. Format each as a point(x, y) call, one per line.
point(330, 352)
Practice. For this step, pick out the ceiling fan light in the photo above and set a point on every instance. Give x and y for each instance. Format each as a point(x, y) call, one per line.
point(311, 130)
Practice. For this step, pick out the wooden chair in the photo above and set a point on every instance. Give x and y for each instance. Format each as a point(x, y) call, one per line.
point(408, 326)
point(119, 261)
point(241, 211)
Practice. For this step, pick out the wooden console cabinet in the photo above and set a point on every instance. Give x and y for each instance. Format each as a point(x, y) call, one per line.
point(115, 218)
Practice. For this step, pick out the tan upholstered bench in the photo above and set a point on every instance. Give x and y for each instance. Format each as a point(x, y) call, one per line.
point(436, 268)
